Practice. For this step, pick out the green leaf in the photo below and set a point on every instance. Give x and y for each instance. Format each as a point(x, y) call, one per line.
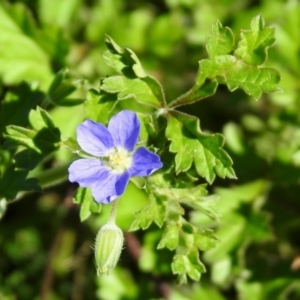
point(99, 106)
point(258, 226)
point(254, 43)
point(22, 136)
point(220, 41)
point(137, 88)
point(174, 210)
point(40, 119)
point(122, 60)
point(192, 145)
point(234, 197)
point(21, 57)
point(16, 105)
point(28, 159)
point(135, 78)
point(83, 196)
point(235, 73)
point(155, 211)
point(205, 240)
point(13, 181)
point(194, 197)
point(57, 12)
point(61, 87)
point(43, 139)
point(170, 237)
point(231, 234)
point(187, 235)
point(188, 264)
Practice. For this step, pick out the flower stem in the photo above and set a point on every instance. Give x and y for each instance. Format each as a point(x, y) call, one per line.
point(113, 212)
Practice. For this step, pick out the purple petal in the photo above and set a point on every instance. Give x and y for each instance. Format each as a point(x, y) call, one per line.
point(87, 171)
point(110, 188)
point(94, 138)
point(125, 129)
point(144, 162)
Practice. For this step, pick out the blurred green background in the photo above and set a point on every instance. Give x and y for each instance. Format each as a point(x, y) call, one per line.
point(46, 252)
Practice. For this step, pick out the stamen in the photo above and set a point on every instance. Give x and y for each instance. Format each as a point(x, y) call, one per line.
point(120, 160)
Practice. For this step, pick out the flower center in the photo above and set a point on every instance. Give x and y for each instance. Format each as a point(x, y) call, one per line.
point(120, 160)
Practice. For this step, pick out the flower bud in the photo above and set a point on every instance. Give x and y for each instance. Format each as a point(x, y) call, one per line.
point(108, 247)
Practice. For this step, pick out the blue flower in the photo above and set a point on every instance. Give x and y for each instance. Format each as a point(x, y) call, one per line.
point(114, 159)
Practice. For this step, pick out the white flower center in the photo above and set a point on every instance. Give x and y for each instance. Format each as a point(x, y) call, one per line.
point(120, 160)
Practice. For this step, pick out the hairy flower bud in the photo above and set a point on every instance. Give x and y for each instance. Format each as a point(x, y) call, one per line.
point(108, 247)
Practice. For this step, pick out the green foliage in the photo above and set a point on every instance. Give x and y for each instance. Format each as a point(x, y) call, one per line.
point(187, 141)
point(22, 56)
point(191, 216)
point(40, 141)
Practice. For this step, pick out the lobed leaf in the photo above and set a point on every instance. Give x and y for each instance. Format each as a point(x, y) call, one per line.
point(155, 211)
point(235, 73)
point(137, 88)
point(170, 237)
point(192, 145)
point(205, 240)
point(238, 70)
point(220, 41)
point(188, 265)
point(134, 79)
point(254, 43)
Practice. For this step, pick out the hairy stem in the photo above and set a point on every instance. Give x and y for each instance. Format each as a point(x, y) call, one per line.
point(113, 212)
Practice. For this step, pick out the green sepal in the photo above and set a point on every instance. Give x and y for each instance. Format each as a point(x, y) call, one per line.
point(108, 246)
